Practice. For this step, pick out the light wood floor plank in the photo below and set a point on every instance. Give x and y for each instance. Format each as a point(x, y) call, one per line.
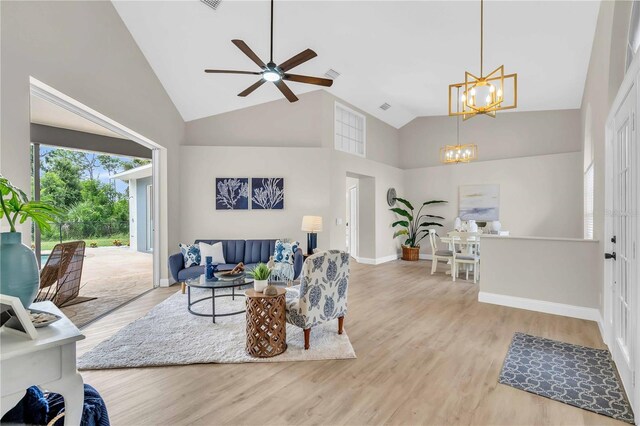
point(428, 353)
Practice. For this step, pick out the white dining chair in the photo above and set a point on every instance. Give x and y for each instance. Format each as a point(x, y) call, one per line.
point(437, 255)
point(468, 255)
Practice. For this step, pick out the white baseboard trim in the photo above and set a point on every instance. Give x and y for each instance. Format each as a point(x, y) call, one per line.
point(376, 261)
point(581, 312)
point(425, 256)
point(166, 282)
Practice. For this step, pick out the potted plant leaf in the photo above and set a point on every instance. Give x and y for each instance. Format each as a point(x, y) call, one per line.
point(19, 274)
point(413, 227)
point(260, 275)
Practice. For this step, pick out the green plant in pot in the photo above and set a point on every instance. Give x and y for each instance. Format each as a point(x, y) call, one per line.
point(19, 274)
point(260, 275)
point(413, 227)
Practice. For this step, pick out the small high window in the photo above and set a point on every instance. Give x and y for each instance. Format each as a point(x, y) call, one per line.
point(349, 130)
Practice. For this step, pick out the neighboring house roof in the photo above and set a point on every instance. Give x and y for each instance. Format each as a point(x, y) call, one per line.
point(137, 173)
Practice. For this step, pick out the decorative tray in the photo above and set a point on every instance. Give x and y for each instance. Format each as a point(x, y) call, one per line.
point(227, 276)
point(41, 318)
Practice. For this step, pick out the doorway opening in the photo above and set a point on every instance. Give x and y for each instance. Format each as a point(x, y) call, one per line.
point(360, 217)
point(87, 165)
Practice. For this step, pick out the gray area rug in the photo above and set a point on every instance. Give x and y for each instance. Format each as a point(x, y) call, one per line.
point(576, 375)
point(170, 335)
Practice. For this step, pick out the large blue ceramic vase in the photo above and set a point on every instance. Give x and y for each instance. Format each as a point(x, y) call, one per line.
point(19, 274)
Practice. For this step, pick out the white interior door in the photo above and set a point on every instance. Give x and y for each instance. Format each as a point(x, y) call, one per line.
point(624, 181)
point(353, 221)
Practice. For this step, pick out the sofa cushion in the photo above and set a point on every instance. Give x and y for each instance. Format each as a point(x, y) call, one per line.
point(214, 250)
point(191, 254)
point(257, 251)
point(191, 272)
point(283, 251)
point(233, 250)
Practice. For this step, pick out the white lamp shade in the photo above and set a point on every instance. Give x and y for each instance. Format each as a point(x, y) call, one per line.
point(312, 223)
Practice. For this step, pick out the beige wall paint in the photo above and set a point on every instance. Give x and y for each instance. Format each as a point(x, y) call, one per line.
point(551, 270)
point(539, 196)
point(306, 123)
point(276, 124)
point(83, 49)
point(306, 192)
point(606, 72)
point(509, 135)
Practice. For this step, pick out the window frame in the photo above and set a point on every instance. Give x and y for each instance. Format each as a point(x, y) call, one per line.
point(336, 107)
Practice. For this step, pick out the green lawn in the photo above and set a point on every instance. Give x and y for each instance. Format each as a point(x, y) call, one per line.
point(102, 242)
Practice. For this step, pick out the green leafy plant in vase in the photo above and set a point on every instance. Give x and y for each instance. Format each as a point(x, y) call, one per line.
point(413, 227)
point(260, 275)
point(19, 274)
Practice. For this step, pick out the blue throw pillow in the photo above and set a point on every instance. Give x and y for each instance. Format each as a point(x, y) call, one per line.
point(284, 252)
point(191, 254)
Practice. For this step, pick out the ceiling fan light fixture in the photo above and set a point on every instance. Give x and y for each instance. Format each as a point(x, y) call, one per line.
point(271, 75)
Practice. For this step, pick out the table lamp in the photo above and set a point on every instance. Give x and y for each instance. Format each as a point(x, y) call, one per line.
point(312, 225)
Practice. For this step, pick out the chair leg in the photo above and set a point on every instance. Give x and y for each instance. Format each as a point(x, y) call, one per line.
point(454, 270)
point(340, 324)
point(307, 336)
point(434, 264)
point(466, 267)
point(183, 287)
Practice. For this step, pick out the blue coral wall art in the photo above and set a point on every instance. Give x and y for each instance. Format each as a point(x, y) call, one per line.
point(267, 193)
point(232, 193)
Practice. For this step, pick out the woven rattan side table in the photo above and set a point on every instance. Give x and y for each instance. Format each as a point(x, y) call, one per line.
point(266, 324)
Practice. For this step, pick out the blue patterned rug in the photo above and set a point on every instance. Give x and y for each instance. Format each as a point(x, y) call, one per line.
point(576, 375)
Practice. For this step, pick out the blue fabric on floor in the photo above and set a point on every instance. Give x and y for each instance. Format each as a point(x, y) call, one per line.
point(32, 409)
point(35, 409)
point(94, 412)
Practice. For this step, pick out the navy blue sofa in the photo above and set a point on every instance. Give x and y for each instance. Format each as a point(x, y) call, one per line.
point(249, 252)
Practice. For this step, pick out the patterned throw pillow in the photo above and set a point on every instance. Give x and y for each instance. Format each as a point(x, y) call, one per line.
point(284, 251)
point(191, 254)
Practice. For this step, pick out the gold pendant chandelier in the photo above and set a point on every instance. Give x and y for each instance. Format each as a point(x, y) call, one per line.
point(454, 154)
point(484, 94)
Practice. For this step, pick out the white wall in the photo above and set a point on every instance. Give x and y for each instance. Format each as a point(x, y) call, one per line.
point(539, 196)
point(84, 50)
point(559, 271)
point(305, 183)
point(508, 135)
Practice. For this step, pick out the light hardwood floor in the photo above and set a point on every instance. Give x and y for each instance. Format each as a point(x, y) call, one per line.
point(428, 353)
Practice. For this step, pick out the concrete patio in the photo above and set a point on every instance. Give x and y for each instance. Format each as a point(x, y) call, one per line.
point(114, 275)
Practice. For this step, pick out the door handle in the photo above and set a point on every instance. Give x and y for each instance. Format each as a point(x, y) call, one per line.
point(611, 255)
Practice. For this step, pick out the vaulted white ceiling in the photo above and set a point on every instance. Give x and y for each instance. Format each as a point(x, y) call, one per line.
point(402, 53)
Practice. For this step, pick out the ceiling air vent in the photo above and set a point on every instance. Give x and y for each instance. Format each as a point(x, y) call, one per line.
point(332, 74)
point(385, 106)
point(213, 4)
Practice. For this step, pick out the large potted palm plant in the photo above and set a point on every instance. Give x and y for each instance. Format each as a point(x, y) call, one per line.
point(19, 275)
point(413, 227)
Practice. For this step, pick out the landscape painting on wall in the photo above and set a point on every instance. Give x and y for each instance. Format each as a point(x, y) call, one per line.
point(479, 202)
point(232, 193)
point(267, 193)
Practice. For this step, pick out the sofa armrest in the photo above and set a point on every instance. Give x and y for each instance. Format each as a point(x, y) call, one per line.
point(176, 264)
point(298, 261)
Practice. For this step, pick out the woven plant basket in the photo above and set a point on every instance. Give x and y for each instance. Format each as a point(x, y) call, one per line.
point(410, 253)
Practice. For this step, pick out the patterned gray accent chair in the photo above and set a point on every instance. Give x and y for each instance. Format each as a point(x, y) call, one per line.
point(321, 295)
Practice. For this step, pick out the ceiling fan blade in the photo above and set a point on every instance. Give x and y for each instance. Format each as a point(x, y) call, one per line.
point(300, 58)
point(231, 72)
point(309, 80)
point(251, 88)
point(285, 90)
point(247, 51)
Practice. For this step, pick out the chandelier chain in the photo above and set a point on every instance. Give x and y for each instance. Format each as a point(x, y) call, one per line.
point(481, 36)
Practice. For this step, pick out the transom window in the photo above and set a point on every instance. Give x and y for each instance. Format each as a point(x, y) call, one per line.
point(350, 130)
